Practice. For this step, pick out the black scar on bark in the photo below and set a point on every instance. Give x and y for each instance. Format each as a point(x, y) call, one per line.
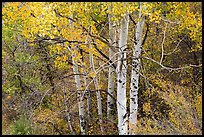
point(133, 99)
point(111, 105)
point(83, 125)
point(137, 72)
point(81, 117)
point(119, 81)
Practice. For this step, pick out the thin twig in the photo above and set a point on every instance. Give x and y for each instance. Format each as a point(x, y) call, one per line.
point(166, 54)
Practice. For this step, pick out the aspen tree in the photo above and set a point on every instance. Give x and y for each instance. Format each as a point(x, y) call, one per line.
point(78, 86)
point(111, 72)
point(121, 77)
point(134, 85)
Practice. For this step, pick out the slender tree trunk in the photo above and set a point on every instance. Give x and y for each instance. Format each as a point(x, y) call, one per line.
point(98, 95)
point(88, 97)
point(67, 111)
point(80, 103)
point(134, 85)
point(78, 86)
point(121, 78)
point(111, 73)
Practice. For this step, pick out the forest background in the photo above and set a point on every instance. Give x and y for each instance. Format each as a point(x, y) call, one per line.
point(101, 68)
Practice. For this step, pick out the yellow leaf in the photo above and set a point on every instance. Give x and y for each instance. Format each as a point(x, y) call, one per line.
point(92, 74)
point(64, 58)
point(8, 97)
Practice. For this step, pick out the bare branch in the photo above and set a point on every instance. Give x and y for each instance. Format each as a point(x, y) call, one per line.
point(94, 36)
point(73, 75)
point(100, 69)
point(162, 45)
point(170, 68)
point(166, 54)
point(174, 22)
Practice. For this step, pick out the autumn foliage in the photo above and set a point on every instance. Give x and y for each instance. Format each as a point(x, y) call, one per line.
point(43, 41)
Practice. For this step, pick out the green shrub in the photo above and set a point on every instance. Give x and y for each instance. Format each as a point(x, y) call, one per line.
point(23, 126)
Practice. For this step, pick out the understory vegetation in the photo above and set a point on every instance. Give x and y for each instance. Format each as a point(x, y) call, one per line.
point(72, 68)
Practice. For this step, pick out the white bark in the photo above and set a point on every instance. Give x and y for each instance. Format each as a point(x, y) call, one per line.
point(80, 103)
point(121, 78)
point(88, 97)
point(134, 85)
point(111, 73)
point(98, 94)
point(67, 111)
point(79, 94)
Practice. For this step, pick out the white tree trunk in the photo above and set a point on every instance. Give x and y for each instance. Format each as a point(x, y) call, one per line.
point(111, 73)
point(67, 111)
point(80, 103)
point(78, 87)
point(88, 98)
point(121, 78)
point(98, 94)
point(134, 85)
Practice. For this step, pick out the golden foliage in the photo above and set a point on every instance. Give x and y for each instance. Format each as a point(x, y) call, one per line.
point(180, 116)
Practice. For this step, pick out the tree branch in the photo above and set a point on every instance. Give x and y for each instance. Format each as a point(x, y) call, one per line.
point(175, 47)
point(162, 45)
point(94, 36)
point(132, 20)
point(104, 55)
point(145, 37)
point(170, 68)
